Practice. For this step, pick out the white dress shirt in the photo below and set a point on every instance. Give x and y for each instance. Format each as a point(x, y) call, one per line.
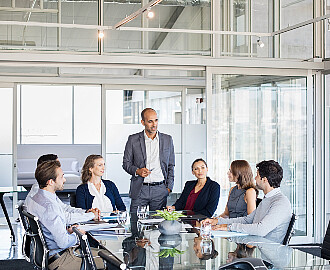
point(100, 201)
point(153, 161)
point(72, 214)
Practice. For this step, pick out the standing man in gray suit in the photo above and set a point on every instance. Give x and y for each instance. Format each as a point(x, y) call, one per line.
point(149, 158)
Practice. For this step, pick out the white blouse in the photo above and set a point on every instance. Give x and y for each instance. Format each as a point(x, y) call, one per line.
point(101, 201)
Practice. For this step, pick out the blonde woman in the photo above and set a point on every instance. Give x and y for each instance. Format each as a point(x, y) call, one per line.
point(242, 197)
point(94, 192)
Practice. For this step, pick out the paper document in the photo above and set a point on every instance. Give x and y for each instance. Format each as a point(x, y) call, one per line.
point(95, 227)
point(151, 220)
point(227, 234)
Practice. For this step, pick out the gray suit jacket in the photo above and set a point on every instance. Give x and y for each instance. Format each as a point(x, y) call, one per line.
point(135, 157)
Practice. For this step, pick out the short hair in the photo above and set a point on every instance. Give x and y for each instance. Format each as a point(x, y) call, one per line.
point(46, 157)
point(144, 111)
point(272, 171)
point(197, 160)
point(45, 171)
point(89, 163)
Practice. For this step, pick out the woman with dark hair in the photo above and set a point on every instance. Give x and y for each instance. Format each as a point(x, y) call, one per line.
point(201, 195)
point(94, 192)
point(242, 197)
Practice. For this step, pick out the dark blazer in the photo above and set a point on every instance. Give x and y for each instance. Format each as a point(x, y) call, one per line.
point(135, 157)
point(206, 202)
point(85, 199)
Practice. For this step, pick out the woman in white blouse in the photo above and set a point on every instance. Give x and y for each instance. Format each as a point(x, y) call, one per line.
point(95, 192)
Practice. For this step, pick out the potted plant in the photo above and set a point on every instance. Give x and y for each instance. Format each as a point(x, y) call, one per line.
point(170, 225)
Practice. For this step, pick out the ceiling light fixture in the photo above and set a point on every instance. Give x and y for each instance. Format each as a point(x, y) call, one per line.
point(260, 43)
point(137, 13)
point(150, 13)
point(101, 34)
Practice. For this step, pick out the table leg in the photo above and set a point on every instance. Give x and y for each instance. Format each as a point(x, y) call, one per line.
point(4, 209)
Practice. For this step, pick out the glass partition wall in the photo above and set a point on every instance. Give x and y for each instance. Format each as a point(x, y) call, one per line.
point(6, 144)
point(123, 108)
point(178, 27)
point(257, 118)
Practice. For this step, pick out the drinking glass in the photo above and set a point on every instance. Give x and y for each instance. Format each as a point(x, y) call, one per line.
point(206, 246)
point(122, 217)
point(206, 231)
point(142, 211)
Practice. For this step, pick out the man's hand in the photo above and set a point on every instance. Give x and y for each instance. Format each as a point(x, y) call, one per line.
point(221, 227)
point(143, 242)
point(212, 221)
point(169, 191)
point(97, 213)
point(143, 172)
point(170, 208)
point(70, 231)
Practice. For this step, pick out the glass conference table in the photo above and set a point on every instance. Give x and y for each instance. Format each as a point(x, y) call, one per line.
point(141, 246)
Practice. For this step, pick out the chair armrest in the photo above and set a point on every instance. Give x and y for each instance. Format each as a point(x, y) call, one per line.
point(112, 259)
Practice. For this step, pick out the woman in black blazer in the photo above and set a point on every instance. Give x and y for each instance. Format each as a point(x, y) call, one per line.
point(201, 195)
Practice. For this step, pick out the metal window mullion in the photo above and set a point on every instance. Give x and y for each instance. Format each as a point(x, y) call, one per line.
point(103, 122)
point(59, 20)
point(14, 149)
point(276, 26)
point(183, 134)
point(72, 114)
point(209, 131)
point(100, 41)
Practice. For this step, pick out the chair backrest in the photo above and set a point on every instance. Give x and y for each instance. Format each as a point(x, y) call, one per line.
point(73, 199)
point(290, 230)
point(88, 260)
point(258, 201)
point(40, 251)
point(112, 261)
point(325, 249)
point(245, 264)
point(26, 241)
point(23, 219)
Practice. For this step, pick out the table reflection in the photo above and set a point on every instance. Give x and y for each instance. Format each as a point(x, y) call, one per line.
point(146, 248)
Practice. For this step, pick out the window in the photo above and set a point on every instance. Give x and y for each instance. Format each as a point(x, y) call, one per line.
point(57, 114)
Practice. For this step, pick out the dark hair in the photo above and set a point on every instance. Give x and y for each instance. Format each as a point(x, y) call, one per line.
point(243, 251)
point(272, 171)
point(47, 157)
point(144, 111)
point(89, 163)
point(213, 254)
point(242, 171)
point(46, 171)
point(197, 160)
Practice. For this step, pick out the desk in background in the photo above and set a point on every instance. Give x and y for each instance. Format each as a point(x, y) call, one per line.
point(3, 191)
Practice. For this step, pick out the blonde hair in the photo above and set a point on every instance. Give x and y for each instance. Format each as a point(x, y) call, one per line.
point(241, 170)
point(86, 174)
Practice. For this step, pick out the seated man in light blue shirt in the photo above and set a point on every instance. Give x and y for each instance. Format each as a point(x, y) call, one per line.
point(47, 207)
point(272, 216)
point(73, 215)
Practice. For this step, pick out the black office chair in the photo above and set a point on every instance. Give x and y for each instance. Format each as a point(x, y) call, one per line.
point(39, 250)
point(73, 201)
point(258, 201)
point(245, 264)
point(111, 261)
point(325, 249)
point(88, 262)
point(26, 241)
point(290, 231)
